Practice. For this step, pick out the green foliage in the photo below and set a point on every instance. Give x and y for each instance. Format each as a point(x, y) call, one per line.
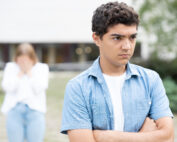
point(171, 90)
point(163, 67)
point(160, 17)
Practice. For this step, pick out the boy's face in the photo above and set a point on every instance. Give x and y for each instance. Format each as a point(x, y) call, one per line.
point(117, 45)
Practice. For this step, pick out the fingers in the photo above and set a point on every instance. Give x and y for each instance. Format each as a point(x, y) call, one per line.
point(152, 121)
point(149, 125)
point(25, 65)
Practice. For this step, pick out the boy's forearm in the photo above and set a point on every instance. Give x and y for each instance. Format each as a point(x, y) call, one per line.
point(117, 136)
point(164, 132)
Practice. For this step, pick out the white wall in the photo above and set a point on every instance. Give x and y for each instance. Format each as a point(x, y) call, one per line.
point(47, 20)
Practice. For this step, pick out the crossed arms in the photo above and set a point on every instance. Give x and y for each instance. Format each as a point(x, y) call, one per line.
point(159, 131)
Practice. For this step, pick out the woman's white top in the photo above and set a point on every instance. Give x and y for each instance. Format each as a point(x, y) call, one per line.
point(26, 89)
point(115, 84)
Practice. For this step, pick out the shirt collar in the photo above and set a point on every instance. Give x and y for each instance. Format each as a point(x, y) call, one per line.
point(131, 70)
point(96, 71)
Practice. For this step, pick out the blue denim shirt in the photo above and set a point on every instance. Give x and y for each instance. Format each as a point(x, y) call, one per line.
point(87, 101)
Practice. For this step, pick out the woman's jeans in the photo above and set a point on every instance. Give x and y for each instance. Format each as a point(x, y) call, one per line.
point(24, 123)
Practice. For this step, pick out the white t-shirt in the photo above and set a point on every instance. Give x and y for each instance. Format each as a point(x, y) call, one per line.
point(115, 84)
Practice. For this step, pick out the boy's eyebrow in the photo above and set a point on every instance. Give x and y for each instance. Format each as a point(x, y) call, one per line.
point(119, 35)
point(134, 34)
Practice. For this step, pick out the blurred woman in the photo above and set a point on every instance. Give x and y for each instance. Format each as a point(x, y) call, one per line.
point(25, 81)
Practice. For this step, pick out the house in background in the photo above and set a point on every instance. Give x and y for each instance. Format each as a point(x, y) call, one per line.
point(59, 30)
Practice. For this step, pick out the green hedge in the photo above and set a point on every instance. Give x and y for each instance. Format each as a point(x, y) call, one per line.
point(171, 90)
point(163, 67)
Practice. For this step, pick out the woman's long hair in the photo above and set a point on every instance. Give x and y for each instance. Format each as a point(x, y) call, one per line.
point(26, 49)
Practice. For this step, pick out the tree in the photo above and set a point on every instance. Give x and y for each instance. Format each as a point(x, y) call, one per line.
point(159, 17)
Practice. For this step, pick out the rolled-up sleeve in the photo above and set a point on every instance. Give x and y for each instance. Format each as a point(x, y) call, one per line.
point(160, 103)
point(75, 114)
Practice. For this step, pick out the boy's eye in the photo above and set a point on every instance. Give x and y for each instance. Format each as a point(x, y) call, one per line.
point(133, 37)
point(117, 38)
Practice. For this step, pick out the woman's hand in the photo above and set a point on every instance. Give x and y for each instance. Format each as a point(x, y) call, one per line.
point(25, 64)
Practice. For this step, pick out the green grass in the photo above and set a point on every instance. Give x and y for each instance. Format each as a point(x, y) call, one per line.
point(1, 98)
point(57, 84)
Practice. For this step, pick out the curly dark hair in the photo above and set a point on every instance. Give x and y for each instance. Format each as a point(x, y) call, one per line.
point(112, 13)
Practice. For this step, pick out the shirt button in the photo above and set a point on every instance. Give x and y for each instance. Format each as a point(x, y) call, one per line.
point(149, 102)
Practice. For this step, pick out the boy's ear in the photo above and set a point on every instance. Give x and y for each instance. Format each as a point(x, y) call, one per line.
point(96, 39)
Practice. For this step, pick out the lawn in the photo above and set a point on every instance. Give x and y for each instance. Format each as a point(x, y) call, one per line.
point(55, 95)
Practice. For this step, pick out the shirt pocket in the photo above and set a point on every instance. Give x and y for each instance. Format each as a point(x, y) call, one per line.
point(143, 106)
